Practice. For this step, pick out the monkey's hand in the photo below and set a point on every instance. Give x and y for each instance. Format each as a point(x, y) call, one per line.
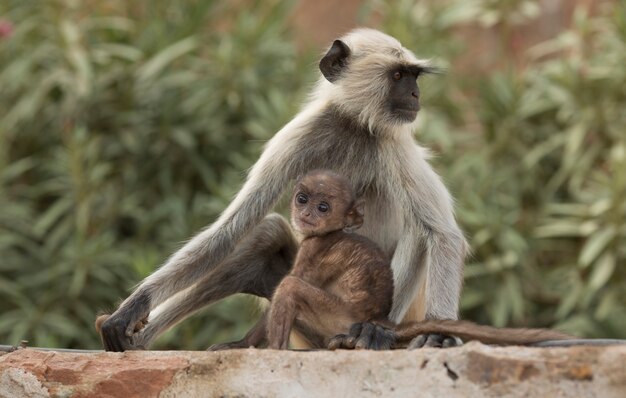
point(116, 336)
point(366, 335)
point(434, 340)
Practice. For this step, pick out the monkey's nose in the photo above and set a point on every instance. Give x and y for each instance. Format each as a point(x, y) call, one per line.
point(416, 95)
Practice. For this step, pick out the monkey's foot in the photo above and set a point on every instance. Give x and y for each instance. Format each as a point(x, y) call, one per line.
point(117, 337)
point(434, 340)
point(366, 335)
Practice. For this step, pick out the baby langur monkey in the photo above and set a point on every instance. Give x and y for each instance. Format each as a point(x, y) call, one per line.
point(338, 278)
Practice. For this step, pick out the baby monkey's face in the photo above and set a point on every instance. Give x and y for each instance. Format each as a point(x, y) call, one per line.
point(321, 203)
point(316, 213)
point(324, 202)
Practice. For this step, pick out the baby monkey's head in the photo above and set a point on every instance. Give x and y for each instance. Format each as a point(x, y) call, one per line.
point(324, 202)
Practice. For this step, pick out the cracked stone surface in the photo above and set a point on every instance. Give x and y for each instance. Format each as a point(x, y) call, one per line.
point(471, 370)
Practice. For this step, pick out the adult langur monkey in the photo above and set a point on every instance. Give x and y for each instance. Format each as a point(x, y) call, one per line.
point(359, 122)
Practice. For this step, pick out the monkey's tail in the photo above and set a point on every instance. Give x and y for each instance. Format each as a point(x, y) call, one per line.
point(467, 331)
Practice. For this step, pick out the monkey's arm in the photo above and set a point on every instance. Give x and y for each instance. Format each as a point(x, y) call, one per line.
point(431, 251)
point(439, 270)
point(266, 181)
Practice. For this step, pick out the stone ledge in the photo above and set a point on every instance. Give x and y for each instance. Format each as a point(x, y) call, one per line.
point(468, 371)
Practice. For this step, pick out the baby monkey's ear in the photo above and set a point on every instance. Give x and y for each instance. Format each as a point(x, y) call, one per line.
point(354, 218)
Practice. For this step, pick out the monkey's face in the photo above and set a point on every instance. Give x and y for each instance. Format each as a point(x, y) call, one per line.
point(316, 213)
point(403, 102)
point(374, 78)
point(321, 203)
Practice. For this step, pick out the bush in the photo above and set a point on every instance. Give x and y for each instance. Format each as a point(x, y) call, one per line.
point(126, 128)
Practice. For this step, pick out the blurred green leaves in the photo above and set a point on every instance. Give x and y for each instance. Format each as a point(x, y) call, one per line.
point(124, 129)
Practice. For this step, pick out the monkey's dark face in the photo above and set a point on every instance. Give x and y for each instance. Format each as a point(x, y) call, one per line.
point(404, 94)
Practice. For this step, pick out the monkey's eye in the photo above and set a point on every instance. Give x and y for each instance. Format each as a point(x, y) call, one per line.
point(323, 207)
point(301, 198)
point(397, 76)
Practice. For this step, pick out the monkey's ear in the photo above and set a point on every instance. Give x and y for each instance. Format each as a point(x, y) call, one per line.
point(354, 220)
point(335, 61)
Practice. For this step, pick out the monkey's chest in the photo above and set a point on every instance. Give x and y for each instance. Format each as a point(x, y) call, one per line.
point(382, 221)
point(339, 144)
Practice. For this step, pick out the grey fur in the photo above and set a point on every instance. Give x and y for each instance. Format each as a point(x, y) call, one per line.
point(345, 127)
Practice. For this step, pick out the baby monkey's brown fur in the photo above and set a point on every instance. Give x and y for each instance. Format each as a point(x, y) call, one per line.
point(338, 277)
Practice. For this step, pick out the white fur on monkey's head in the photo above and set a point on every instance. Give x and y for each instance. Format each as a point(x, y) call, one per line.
point(363, 85)
point(366, 41)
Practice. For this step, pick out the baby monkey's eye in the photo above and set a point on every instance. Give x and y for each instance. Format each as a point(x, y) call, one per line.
point(397, 75)
point(323, 207)
point(301, 198)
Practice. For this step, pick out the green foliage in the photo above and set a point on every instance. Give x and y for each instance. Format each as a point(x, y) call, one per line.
point(536, 158)
point(125, 127)
point(124, 130)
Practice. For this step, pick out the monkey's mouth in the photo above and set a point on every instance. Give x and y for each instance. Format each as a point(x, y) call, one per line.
point(408, 114)
point(404, 109)
point(304, 224)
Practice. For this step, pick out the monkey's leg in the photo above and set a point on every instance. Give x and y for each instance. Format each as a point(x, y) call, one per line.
point(303, 335)
point(256, 267)
point(314, 308)
point(255, 337)
point(282, 314)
